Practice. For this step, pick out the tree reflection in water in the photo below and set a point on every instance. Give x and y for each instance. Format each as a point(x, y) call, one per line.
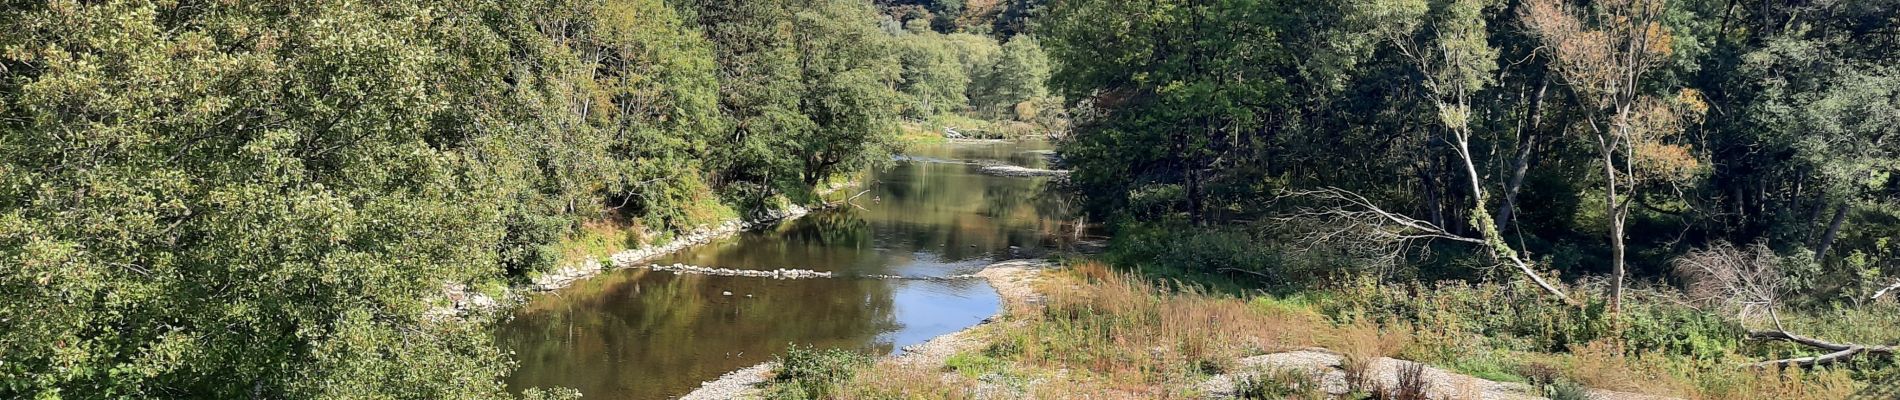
point(639, 334)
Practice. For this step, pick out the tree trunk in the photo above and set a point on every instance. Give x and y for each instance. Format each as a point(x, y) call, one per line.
point(1614, 210)
point(1522, 165)
point(1833, 231)
point(1194, 196)
point(1616, 251)
point(1431, 197)
point(1814, 217)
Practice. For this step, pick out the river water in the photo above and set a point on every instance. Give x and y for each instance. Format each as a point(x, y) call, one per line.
point(639, 334)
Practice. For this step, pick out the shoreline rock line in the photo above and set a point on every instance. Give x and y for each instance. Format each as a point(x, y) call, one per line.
point(462, 300)
point(790, 273)
point(562, 277)
point(1012, 171)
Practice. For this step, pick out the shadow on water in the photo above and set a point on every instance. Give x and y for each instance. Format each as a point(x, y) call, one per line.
point(638, 334)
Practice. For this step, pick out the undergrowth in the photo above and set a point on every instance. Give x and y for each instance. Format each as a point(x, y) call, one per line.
point(1104, 333)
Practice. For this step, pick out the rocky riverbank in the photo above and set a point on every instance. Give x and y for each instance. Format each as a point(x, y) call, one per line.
point(1013, 281)
point(462, 300)
point(1013, 171)
point(562, 277)
point(1326, 369)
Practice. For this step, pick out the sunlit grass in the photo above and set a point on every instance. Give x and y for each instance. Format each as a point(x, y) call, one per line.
point(1101, 333)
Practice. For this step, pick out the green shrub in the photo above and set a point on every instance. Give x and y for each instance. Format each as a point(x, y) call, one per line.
point(1224, 259)
point(1566, 390)
point(809, 373)
point(1276, 384)
point(972, 364)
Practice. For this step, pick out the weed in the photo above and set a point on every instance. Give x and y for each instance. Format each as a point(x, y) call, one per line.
point(972, 364)
point(1277, 384)
point(1410, 385)
point(1566, 390)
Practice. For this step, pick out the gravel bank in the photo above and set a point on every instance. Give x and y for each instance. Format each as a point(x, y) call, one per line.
point(1324, 367)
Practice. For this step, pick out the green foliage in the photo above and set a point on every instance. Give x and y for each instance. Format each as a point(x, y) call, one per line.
point(1743, 130)
point(1566, 390)
point(972, 364)
point(1232, 259)
point(220, 200)
point(1277, 384)
point(934, 78)
point(971, 83)
point(808, 373)
point(1021, 75)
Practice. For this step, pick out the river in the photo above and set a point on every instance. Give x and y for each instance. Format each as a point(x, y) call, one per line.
point(641, 334)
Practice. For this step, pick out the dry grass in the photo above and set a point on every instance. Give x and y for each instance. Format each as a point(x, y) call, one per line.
point(1362, 342)
point(905, 382)
point(1608, 365)
point(1102, 334)
point(1605, 364)
point(1411, 384)
point(1789, 384)
point(1146, 337)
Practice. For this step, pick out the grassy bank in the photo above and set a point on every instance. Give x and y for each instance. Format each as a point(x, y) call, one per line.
point(1107, 334)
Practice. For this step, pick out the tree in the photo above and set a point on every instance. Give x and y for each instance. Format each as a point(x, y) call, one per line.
point(1457, 63)
point(934, 77)
point(1605, 58)
point(1021, 74)
point(256, 200)
point(815, 77)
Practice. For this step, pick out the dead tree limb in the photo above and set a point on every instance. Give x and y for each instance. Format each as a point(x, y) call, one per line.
point(1254, 273)
point(1883, 292)
point(1839, 351)
point(1356, 221)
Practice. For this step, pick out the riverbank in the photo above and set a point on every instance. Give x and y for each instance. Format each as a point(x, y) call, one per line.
point(462, 300)
point(1013, 171)
point(1013, 280)
point(1094, 332)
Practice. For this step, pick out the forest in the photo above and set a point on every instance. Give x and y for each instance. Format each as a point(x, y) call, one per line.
point(213, 199)
point(206, 199)
point(1705, 185)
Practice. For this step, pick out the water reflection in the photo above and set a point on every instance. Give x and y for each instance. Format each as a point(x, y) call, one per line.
point(638, 334)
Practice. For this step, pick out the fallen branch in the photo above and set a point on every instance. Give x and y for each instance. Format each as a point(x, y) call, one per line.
point(1254, 273)
point(1840, 351)
point(1357, 219)
point(1883, 292)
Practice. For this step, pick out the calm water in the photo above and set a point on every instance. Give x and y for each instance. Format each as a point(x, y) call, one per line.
point(637, 334)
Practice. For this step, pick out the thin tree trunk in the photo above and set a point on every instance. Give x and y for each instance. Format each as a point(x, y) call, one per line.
point(1522, 165)
point(1432, 202)
point(1833, 231)
point(1617, 268)
point(1814, 217)
point(1616, 213)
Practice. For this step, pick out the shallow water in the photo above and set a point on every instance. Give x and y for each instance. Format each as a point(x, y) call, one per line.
point(638, 334)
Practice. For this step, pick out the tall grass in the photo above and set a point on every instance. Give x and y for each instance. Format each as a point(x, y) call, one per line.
point(1104, 333)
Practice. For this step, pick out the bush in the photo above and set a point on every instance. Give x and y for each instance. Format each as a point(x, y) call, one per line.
point(1225, 259)
point(1277, 384)
point(808, 373)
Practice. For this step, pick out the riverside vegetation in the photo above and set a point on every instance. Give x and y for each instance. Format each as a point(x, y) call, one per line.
point(1689, 198)
point(1681, 198)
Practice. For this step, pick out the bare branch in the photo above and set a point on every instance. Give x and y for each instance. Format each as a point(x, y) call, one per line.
point(1724, 275)
point(1354, 222)
point(1840, 351)
point(1883, 292)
